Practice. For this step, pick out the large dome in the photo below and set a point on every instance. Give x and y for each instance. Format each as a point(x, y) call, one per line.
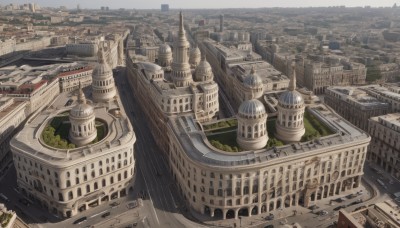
point(82, 111)
point(251, 109)
point(253, 80)
point(164, 49)
point(195, 53)
point(291, 98)
point(102, 70)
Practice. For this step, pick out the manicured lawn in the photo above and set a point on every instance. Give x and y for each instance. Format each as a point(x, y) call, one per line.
point(56, 133)
point(224, 138)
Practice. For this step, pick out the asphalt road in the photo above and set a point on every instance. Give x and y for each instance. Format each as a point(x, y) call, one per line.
point(162, 205)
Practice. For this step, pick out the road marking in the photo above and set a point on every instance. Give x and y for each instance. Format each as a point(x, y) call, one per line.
point(170, 193)
point(98, 214)
point(145, 182)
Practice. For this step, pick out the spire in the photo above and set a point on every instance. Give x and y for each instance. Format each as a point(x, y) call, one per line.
point(181, 29)
point(203, 57)
point(253, 70)
point(100, 54)
point(292, 83)
point(81, 95)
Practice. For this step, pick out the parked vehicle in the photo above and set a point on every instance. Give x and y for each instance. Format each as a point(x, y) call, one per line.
point(105, 214)
point(3, 197)
point(80, 220)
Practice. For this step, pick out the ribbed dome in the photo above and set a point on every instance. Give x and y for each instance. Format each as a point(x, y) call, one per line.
point(203, 67)
point(82, 111)
point(164, 49)
point(251, 109)
point(102, 70)
point(151, 67)
point(195, 53)
point(253, 80)
point(291, 98)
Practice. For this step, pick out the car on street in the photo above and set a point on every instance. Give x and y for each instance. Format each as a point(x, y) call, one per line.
point(80, 220)
point(339, 200)
point(3, 197)
point(114, 204)
point(132, 204)
point(24, 201)
point(270, 217)
point(321, 213)
point(313, 207)
point(339, 207)
point(351, 196)
point(105, 214)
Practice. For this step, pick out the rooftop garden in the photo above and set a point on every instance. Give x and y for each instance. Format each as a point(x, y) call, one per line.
point(5, 218)
point(55, 134)
point(222, 134)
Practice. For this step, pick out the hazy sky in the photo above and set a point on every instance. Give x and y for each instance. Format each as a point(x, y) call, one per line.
point(182, 4)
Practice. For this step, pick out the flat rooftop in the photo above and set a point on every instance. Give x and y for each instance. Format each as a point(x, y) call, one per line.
point(194, 142)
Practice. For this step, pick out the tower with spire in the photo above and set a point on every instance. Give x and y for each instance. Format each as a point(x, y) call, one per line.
point(181, 73)
point(103, 85)
point(290, 122)
point(83, 128)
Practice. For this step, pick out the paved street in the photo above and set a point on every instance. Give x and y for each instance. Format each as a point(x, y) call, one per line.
point(163, 207)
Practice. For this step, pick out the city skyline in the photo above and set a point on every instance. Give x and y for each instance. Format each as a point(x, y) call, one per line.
point(181, 4)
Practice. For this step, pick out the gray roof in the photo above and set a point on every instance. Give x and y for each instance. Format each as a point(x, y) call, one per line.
point(251, 108)
point(197, 147)
point(291, 98)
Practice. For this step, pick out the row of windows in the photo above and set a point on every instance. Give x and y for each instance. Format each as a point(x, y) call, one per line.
point(93, 173)
point(78, 193)
point(103, 83)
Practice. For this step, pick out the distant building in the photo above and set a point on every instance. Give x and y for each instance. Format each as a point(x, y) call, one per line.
point(80, 171)
point(384, 149)
point(355, 105)
point(164, 7)
point(377, 215)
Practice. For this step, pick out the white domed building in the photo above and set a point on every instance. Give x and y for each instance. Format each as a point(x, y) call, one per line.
point(253, 85)
point(195, 57)
point(252, 125)
point(82, 118)
point(164, 55)
point(290, 122)
point(203, 72)
point(103, 86)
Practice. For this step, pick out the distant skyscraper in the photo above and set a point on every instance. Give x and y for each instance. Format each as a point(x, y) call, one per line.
point(221, 23)
point(164, 7)
point(32, 7)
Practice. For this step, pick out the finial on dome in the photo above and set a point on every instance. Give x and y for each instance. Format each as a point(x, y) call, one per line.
point(253, 70)
point(203, 56)
point(81, 95)
point(100, 54)
point(292, 83)
point(180, 21)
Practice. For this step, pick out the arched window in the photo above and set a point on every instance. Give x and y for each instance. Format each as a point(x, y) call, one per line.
point(77, 180)
point(103, 183)
point(111, 180)
point(70, 195)
point(95, 186)
point(125, 174)
point(68, 183)
point(100, 171)
point(60, 197)
point(79, 192)
point(119, 177)
point(87, 188)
